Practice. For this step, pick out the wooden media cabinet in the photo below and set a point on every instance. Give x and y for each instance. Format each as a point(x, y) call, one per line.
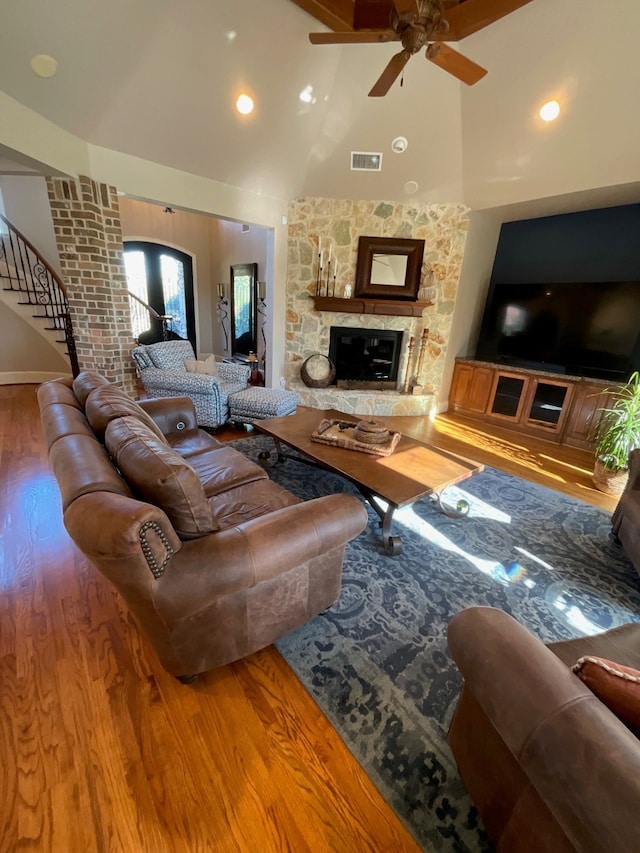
point(562, 408)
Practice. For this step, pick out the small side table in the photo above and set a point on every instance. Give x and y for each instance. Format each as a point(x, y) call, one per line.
point(256, 378)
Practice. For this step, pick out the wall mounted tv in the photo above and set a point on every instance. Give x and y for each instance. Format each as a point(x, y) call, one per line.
point(581, 329)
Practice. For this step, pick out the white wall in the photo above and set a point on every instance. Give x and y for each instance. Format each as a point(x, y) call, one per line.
point(480, 249)
point(26, 205)
point(583, 54)
point(24, 351)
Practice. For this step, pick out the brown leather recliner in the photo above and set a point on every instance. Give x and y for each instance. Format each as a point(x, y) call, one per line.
point(214, 560)
point(550, 768)
point(626, 517)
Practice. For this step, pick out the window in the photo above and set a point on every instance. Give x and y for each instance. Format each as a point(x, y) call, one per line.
point(162, 278)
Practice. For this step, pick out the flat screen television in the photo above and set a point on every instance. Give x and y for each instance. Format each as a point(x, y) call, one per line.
point(582, 329)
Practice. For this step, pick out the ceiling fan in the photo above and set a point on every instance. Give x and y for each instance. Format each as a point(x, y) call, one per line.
point(417, 24)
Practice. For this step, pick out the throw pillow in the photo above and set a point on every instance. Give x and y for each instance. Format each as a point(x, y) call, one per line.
point(159, 475)
point(617, 686)
point(208, 366)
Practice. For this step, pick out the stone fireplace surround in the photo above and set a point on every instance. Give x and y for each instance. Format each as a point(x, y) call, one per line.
point(444, 229)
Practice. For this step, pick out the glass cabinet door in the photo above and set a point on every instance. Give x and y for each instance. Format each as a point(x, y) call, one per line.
point(507, 397)
point(547, 403)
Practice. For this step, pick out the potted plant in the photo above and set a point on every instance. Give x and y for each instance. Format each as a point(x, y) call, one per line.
point(618, 433)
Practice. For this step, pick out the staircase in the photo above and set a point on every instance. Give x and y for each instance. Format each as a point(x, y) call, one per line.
point(31, 286)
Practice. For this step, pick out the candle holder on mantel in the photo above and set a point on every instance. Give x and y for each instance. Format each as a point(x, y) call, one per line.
point(325, 278)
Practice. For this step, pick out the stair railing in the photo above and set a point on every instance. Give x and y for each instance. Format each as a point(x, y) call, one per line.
point(142, 314)
point(23, 270)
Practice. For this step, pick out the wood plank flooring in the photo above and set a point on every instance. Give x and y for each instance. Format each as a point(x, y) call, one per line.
point(101, 750)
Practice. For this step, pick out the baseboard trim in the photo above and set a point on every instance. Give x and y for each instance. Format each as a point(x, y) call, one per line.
point(28, 377)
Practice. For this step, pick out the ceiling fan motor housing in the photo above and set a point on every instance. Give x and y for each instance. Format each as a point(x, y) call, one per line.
point(414, 30)
point(417, 24)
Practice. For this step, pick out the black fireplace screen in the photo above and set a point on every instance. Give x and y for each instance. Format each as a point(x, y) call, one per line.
point(366, 355)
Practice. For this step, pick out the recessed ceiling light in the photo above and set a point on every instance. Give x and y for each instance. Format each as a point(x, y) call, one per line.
point(43, 65)
point(549, 111)
point(231, 35)
point(411, 187)
point(244, 104)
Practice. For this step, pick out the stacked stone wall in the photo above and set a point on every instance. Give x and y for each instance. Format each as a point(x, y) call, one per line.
point(341, 223)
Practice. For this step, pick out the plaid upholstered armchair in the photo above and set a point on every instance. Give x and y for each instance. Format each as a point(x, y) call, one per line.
point(163, 373)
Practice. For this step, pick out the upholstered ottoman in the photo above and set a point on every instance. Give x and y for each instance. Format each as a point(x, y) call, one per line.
point(253, 404)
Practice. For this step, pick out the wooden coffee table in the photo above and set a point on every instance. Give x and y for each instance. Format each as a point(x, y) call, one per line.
point(414, 470)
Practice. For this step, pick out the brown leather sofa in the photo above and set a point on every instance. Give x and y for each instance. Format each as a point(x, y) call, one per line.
point(626, 517)
point(214, 560)
point(548, 765)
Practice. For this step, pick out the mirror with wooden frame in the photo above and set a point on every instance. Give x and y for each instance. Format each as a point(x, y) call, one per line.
point(389, 268)
point(244, 308)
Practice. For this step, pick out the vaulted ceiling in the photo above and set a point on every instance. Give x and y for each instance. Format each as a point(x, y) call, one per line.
point(158, 79)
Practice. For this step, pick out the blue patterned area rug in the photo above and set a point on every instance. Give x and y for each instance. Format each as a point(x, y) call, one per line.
point(377, 661)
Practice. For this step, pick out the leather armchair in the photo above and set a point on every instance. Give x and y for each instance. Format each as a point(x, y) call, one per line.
point(163, 374)
point(626, 518)
point(548, 765)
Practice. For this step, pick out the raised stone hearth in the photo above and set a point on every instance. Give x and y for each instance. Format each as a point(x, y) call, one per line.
point(353, 402)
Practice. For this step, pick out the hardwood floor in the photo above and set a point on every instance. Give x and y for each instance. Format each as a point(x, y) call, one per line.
point(566, 469)
point(104, 751)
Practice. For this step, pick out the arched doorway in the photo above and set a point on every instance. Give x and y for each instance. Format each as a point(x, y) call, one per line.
point(161, 277)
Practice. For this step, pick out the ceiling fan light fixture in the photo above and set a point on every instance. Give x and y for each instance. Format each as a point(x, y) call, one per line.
point(399, 145)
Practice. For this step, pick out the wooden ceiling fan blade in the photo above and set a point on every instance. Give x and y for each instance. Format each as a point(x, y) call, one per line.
point(390, 74)
point(473, 15)
point(362, 37)
point(455, 63)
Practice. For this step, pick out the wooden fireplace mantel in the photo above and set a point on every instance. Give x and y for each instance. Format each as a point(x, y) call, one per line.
point(390, 307)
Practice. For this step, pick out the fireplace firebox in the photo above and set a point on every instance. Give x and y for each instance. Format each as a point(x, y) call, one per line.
point(365, 357)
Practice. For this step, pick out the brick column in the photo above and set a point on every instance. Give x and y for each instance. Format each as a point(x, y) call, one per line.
point(86, 219)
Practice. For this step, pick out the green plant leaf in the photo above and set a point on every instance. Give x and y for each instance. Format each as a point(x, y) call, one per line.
point(618, 432)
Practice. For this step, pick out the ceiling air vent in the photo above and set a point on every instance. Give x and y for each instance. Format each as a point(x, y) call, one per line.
point(366, 161)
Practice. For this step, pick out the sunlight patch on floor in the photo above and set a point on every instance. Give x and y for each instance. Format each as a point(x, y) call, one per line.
point(575, 617)
point(478, 509)
point(535, 559)
point(579, 468)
